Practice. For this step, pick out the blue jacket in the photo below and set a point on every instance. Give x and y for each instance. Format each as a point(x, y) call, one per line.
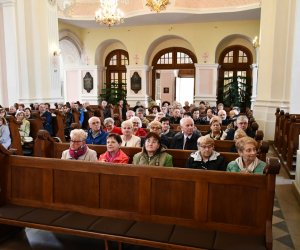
point(100, 139)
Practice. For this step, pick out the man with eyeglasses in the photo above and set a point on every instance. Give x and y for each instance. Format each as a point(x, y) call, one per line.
point(95, 134)
point(242, 123)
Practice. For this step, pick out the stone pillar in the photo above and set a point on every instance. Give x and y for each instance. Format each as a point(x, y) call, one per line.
point(274, 63)
point(206, 80)
point(9, 57)
point(254, 84)
point(143, 94)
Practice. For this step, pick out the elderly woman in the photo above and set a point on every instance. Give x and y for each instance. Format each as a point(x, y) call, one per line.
point(137, 126)
point(78, 148)
point(216, 132)
point(25, 126)
point(110, 127)
point(128, 138)
point(156, 127)
point(206, 157)
point(247, 162)
point(5, 139)
point(153, 153)
point(114, 154)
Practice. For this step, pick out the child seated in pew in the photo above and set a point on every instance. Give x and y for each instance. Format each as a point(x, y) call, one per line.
point(78, 148)
point(153, 153)
point(248, 161)
point(206, 157)
point(114, 154)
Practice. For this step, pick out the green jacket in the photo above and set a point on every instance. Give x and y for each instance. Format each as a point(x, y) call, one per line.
point(159, 159)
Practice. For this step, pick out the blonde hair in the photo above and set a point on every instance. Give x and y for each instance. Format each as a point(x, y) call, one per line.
point(239, 133)
point(215, 119)
point(240, 143)
point(78, 133)
point(155, 123)
point(127, 123)
point(203, 140)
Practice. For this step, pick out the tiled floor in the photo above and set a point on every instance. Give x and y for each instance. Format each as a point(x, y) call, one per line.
point(286, 227)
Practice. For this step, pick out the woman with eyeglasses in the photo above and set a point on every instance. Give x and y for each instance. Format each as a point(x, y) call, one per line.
point(78, 148)
point(153, 153)
point(95, 134)
point(206, 157)
point(114, 154)
point(137, 127)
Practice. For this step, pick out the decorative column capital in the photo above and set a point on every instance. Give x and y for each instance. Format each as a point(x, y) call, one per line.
point(6, 3)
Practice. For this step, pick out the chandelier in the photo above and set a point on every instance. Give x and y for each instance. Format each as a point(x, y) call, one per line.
point(157, 5)
point(108, 13)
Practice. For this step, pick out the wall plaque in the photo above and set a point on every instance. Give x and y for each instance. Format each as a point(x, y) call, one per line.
point(136, 82)
point(88, 80)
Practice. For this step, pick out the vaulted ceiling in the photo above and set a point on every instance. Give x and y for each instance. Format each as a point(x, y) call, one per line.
point(178, 11)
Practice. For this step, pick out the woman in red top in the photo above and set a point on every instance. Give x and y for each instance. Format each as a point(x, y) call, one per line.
point(137, 127)
point(110, 127)
point(114, 154)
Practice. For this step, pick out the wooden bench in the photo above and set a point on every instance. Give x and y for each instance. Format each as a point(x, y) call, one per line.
point(46, 146)
point(167, 208)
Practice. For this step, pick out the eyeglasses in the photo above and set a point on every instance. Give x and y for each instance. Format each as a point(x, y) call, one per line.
point(151, 141)
point(155, 128)
point(72, 141)
point(205, 146)
point(94, 123)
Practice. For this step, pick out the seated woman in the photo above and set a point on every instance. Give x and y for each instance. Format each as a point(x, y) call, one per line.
point(239, 133)
point(78, 148)
point(216, 132)
point(114, 154)
point(137, 127)
point(110, 127)
point(247, 162)
point(153, 153)
point(206, 158)
point(5, 139)
point(25, 126)
point(128, 138)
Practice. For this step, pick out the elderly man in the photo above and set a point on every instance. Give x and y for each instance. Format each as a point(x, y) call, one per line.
point(129, 114)
point(95, 134)
point(242, 123)
point(187, 139)
point(223, 115)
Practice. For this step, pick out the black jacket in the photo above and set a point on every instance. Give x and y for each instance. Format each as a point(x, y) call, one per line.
point(216, 163)
point(191, 144)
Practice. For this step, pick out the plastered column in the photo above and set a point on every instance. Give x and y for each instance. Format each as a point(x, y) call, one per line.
point(206, 77)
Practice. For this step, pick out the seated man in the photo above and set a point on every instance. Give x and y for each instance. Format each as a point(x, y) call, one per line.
point(242, 123)
point(223, 115)
point(175, 119)
point(47, 118)
point(140, 113)
point(106, 109)
point(95, 134)
point(187, 139)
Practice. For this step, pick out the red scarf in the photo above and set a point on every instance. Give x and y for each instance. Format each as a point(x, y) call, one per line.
point(76, 153)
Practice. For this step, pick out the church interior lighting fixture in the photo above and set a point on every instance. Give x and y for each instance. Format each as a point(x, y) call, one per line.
point(109, 14)
point(157, 5)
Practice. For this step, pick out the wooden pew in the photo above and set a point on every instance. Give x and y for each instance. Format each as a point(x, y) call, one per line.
point(45, 146)
point(14, 127)
point(59, 125)
point(167, 208)
point(293, 145)
point(278, 114)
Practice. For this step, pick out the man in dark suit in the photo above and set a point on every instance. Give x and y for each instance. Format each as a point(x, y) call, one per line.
point(242, 123)
point(187, 139)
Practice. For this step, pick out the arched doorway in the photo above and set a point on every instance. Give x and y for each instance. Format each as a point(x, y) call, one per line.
point(235, 77)
point(171, 65)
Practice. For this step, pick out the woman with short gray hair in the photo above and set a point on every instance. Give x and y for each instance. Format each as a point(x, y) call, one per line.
point(110, 127)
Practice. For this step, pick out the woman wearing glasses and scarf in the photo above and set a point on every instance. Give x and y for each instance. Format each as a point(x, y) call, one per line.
point(206, 157)
point(78, 148)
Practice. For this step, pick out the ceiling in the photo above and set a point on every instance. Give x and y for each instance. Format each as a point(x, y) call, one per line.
point(81, 14)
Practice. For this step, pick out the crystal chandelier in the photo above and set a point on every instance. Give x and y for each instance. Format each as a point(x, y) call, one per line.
point(108, 13)
point(65, 6)
point(157, 5)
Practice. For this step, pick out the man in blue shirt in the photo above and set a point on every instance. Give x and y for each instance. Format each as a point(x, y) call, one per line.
point(95, 134)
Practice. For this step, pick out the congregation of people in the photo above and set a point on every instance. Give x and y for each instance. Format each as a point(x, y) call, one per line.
point(153, 129)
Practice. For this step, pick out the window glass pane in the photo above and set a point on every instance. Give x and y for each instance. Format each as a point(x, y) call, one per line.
point(183, 58)
point(124, 60)
point(165, 59)
point(228, 57)
point(113, 60)
point(242, 57)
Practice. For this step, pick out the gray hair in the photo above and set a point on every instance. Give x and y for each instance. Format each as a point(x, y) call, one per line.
point(136, 119)
point(242, 118)
point(78, 133)
point(108, 120)
point(184, 119)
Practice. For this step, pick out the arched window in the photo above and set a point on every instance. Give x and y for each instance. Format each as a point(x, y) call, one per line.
point(175, 58)
point(235, 77)
point(115, 86)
